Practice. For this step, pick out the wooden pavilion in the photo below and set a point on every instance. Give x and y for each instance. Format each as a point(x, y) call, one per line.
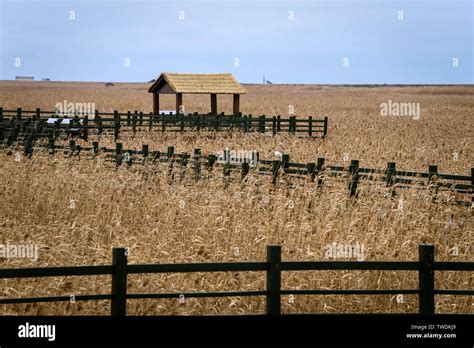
point(179, 84)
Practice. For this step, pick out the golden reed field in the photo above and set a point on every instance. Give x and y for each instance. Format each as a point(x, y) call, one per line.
point(176, 221)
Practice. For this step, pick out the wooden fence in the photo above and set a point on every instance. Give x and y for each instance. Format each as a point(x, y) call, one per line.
point(15, 121)
point(316, 172)
point(273, 267)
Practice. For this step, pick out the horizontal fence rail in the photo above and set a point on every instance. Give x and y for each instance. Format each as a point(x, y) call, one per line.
point(316, 172)
point(20, 121)
point(273, 267)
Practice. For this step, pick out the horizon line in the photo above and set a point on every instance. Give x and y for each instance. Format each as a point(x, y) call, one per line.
point(268, 84)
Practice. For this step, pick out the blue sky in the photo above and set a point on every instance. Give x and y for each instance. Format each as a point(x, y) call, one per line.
point(289, 41)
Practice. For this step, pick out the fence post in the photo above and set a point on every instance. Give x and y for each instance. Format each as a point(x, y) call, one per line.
point(128, 118)
point(1, 113)
point(197, 164)
point(261, 124)
point(170, 154)
point(275, 168)
point(95, 147)
point(354, 172)
point(311, 168)
point(325, 131)
point(134, 122)
point(118, 154)
point(274, 125)
point(245, 171)
point(432, 171)
point(72, 147)
point(285, 160)
point(274, 279)
point(426, 280)
point(310, 126)
point(51, 141)
point(145, 151)
point(472, 176)
point(389, 177)
point(472, 183)
point(18, 113)
point(85, 123)
point(319, 168)
point(38, 113)
point(98, 121)
point(116, 125)
point(119, 282)
point(141, 118)
point(278, 123)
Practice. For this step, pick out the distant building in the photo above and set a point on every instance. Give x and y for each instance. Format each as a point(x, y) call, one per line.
point(45, 79)
point(109, 84)
point(24, 78)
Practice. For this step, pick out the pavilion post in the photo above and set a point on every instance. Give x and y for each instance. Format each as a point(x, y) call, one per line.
point(236, 104)
point(179, 102)
point(156, 103)
point(213, 104)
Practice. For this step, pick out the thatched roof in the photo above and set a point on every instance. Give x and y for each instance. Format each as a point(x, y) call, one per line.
point(198, 83)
